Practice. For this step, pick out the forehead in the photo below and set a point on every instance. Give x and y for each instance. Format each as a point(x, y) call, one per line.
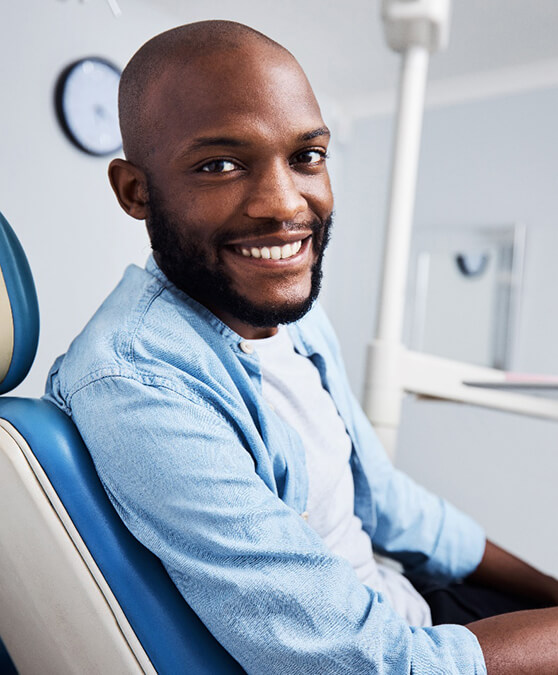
point(242, 93)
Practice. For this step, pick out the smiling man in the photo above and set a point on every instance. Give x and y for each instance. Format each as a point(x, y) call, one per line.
point(210, 392)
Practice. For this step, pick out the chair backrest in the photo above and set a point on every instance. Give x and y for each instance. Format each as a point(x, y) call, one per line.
point(78, 592)
point(19, 311)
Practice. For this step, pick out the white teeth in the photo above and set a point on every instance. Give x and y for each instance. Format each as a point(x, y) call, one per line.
point(272, 252)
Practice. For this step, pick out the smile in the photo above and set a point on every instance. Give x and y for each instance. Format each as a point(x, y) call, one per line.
point(271, 252)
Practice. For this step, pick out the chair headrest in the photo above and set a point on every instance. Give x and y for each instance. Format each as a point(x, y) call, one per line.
point(19, 311)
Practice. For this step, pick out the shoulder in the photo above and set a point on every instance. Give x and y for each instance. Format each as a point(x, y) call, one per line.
point(145, 330)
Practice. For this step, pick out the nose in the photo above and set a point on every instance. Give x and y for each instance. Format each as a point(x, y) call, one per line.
point(275, 195)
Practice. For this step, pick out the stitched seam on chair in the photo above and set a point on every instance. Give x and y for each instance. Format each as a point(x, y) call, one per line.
point(7, 330)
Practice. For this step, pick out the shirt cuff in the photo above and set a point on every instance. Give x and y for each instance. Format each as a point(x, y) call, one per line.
point(459, 549)
point(455, 648)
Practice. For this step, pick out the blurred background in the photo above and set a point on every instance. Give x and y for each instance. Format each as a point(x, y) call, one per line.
point(489, 158)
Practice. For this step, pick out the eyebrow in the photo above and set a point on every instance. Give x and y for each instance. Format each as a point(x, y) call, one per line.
point(321, 131)
point(214, 141)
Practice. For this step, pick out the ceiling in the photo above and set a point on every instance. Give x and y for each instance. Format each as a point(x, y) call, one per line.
point(341, 45)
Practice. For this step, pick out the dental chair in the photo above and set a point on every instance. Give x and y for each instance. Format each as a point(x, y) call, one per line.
point(78, 593)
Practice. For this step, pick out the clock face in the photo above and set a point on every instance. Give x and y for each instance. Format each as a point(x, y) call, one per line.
point(87, 105)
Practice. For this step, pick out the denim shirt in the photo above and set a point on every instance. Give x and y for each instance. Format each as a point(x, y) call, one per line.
point(203, 472)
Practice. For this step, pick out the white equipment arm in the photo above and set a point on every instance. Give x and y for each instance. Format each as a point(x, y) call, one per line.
point(416, 28)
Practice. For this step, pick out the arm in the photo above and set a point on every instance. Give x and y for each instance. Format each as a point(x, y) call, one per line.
point(503, 571)
point(522, 643)
point(519, 642)
point(181, 477)
point(409, 523)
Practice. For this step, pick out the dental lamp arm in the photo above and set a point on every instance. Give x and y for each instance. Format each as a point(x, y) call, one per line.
point(415, 28)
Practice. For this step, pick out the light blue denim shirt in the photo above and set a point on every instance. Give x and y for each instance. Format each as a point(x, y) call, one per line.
point(207, 477)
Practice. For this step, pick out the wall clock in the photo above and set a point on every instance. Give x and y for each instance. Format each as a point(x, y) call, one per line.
point(86, 98)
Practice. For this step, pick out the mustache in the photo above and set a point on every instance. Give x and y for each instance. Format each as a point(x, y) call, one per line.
point(316, 226)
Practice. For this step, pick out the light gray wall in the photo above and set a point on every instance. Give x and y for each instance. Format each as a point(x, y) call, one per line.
point(58, 199)
point(487, 162)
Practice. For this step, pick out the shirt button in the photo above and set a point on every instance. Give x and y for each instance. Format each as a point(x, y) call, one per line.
point(304, 515)
point(246, 347)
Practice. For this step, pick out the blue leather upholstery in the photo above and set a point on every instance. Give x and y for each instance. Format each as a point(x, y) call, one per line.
point(171, 634)
point(24, 305)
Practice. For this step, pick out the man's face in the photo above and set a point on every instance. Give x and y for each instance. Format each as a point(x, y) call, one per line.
point(239, 196)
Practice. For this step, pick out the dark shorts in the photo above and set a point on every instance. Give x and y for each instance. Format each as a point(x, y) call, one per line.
point(464, 602)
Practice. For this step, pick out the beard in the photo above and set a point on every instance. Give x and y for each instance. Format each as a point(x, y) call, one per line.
point(185, 262)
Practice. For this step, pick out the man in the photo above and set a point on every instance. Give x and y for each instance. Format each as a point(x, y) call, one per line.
point(228, 442)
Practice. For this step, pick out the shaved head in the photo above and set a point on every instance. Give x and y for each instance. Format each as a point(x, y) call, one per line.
point(179, 46)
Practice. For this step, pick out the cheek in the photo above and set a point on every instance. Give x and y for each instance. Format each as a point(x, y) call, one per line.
point(320, 198)
point(214, 201)
point(212, 214)
point(200, 225)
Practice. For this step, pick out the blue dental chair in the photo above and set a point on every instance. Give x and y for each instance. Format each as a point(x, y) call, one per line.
point(78, 593)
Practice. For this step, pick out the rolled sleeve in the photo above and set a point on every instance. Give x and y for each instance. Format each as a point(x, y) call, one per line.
point(448, 644)
point(182, 479)
point(459, 547)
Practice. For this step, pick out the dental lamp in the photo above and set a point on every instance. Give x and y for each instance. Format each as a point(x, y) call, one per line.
point(417, 28)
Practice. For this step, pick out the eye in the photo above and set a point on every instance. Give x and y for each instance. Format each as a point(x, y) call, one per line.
point(312, 157)
point(218, 166)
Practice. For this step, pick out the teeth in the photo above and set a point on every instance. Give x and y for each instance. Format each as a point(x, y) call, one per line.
point(272, 252)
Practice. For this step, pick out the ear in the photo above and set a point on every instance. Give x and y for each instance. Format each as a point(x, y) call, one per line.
point(130, 187)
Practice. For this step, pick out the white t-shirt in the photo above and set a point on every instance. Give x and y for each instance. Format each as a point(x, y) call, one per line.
point(291, 385)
